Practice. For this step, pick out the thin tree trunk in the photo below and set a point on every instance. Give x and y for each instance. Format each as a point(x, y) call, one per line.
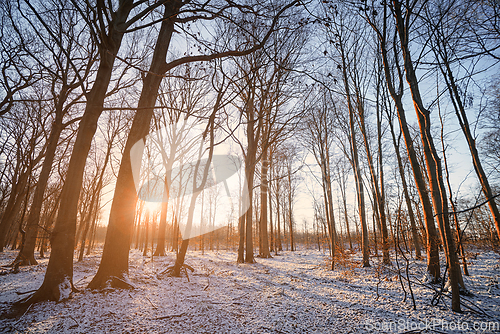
point(179, 262)
point(432, 241)
point(279, 246)
point(160, 244)
point(411, 215)
point(455, 217)
point(357, 171)
point(471, 142)
point(290, 213)
point(264, 250)
point(271, 235)
point(146, 233)
point(27, 254)
point(378, 199)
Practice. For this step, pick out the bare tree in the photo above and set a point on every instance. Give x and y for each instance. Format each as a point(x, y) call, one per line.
point(394, 80)
point(107, 31)
point(114, 262)
point(69, 73)
point(445, 35)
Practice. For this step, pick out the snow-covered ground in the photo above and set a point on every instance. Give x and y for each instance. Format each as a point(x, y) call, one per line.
point(293, 292)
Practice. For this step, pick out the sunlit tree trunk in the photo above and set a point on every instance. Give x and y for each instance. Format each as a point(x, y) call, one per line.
point(160, 244)
point(471, 142)
point(431, 234)
point(58, 280)
point(179, 261)
point(355, 163)
point(432, 160)
point(452, 203)
point(114, 262)
point(378, 196)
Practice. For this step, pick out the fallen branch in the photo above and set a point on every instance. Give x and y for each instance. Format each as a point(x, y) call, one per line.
point(76, 322)
point(170, 316)
point(149, 300)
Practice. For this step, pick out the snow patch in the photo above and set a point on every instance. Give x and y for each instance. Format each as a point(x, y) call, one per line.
point(292, 293)
point(65, 289)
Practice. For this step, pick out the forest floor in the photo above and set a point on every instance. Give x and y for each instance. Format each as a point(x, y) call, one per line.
point(294, 292)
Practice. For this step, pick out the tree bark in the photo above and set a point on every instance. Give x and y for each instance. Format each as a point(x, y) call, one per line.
point(432, 241)
point(114, 262)
point(411, 215)
point(471, 142)
point(264, 250)
point(432, 160)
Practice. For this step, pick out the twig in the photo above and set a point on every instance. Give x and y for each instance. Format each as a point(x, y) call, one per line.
point(149, 300)
point(478, 311)
point(76, 322)
point(170, 316)
point(407, 272)
point(439, 293)
point(420, 331)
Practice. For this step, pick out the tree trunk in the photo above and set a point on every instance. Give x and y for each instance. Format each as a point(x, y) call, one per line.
point(378, 196)
point(279, 246)
point(27, 254)
point(13, 207)
point(432, 241)
point(114, 262)
point(264, 250)
point(58, 281)
point(250, 162)
point(160, 244)
point(471, 142)
point(344, 202)
point(411, 215)
point(147, 223)
point(290, 213)
point(250, 170)
point(432, 160)
point(88, 227)
point(179, 261)
point(355, 164)
point(271, 235)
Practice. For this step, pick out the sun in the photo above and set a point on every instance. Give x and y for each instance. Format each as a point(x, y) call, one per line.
point(152, 206)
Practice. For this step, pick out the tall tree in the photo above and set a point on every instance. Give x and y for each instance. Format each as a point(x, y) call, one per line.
point(346, 44)
point(114, 263)
point(107, 31)
point(394, 81)
point(445, 34)
point(319, 139)
point(69, 73)
point(403, 13)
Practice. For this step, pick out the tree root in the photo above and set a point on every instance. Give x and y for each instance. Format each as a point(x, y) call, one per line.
point(170, 271)
point(109, 282)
